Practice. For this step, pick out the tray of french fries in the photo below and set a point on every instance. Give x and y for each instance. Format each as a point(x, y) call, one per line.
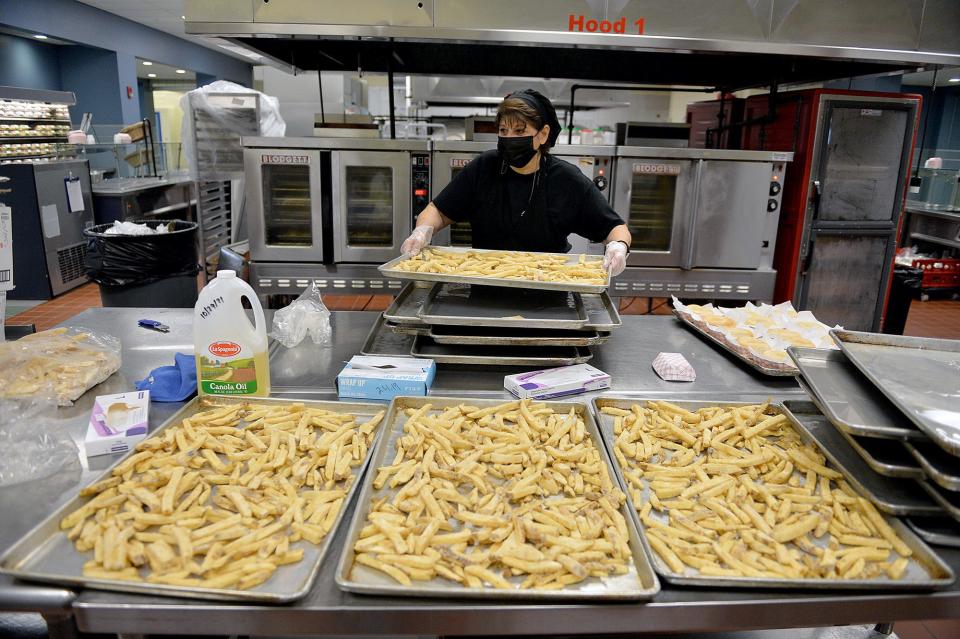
point(573, 272)
point(732, 494)
point(231, 499)
point(493, 499)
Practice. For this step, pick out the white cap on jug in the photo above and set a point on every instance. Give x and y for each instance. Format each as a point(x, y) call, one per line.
point(225, 274)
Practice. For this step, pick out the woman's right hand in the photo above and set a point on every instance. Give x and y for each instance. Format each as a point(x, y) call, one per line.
point(418, 240)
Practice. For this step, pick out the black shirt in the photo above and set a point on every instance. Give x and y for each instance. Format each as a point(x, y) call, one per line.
point(535, 212)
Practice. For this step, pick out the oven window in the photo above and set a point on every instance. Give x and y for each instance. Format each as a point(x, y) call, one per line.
point(369, 205)
point(286, 205)
point(460, 233)
point(652, 199)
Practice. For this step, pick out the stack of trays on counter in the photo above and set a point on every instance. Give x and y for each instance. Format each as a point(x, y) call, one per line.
point(891, 415)
point(461, 319)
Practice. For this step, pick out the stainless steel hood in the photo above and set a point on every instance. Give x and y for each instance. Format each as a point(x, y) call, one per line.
point(729, 43)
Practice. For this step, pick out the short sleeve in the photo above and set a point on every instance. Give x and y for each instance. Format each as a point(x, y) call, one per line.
point(457, 199)
point(596, 218)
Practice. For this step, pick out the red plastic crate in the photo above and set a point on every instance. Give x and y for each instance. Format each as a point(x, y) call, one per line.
point(938, 272)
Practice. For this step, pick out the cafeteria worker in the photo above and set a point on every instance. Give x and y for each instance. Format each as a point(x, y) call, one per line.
point(520, 198)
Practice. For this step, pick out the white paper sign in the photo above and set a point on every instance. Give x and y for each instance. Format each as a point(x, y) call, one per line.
point(6, 249)
point(50, 220)
point(74, 194)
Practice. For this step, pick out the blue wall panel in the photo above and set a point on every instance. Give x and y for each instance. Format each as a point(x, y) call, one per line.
point(28, 63)
point(92, 75)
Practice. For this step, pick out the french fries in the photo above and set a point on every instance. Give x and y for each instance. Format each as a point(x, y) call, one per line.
point(734, 491)
point(515, 265)
point(218, 500)
point(513, 496)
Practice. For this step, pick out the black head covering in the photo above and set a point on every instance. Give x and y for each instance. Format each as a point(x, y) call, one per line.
point(538, 102)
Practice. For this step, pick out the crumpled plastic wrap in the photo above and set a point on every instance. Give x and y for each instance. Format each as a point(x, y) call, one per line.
point(132, 228)
point(33, 444)
point(306, 314)
point(62, 362)
point(760, 333)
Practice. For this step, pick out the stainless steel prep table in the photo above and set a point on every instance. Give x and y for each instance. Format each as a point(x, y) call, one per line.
point(308, 371)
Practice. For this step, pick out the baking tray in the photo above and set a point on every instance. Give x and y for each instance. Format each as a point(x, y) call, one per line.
point(406, 329)
point(384, 342)
point(639, 585)
point(405, 308)
point(500, 355)
point(389, 270)
point(463, 305)
point(940, 574)
point(843, 394)
point(892, 496)
point(939, 531)
point(947, 499)
point(887, 457)
point(939, 465)
point(755, 365)
point(918, 374)
point(488, 335)
point(602, 314)
point(45, 554)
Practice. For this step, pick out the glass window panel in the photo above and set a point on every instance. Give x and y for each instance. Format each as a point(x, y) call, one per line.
point(460, 233)
point(369, 192)
point(286, 205)
point(652, 199)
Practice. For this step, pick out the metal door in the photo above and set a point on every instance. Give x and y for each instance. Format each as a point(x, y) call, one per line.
point(283, 189)
point(371, 200)
point(64, 244)
point(446, 166)
point(731, 216)
point(864, 148)
point(655, 198)
point(845, 277)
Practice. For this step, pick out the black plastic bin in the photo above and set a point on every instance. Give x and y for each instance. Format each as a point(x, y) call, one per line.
point(906, 285)
point(145, 270)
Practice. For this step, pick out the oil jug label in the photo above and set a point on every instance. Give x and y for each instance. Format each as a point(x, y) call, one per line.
point(223, 373)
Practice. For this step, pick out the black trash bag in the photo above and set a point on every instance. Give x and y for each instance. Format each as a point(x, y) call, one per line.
point(907, 282)
point(125, 260)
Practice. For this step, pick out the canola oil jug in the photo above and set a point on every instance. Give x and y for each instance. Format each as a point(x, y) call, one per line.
point(231, 352)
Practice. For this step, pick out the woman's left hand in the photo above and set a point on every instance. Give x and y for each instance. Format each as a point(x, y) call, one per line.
point(615, 258)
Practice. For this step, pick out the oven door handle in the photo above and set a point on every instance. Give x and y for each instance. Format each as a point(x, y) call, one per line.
point(690, 245)
point(815, 194)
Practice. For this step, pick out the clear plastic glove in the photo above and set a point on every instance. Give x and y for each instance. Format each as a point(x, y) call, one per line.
point(418, 240)
point(615, 258)
point(306, 314)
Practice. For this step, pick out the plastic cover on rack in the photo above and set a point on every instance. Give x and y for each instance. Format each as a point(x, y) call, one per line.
point(63, 363)
point(34, 445)
point(271, 123)
point(306, 314)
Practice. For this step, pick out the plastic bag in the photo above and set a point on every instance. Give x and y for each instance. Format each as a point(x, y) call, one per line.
point(306, 314)
point(225, 162)
point(63, 363)
point(125, 260)
point(33, 444)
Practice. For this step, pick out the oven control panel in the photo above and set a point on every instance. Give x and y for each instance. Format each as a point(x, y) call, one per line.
point(420, 182)
point(776, 186)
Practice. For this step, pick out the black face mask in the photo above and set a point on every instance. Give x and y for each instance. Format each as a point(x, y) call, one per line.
point(516, 151)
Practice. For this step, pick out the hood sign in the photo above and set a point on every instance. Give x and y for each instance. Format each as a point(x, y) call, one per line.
point(583, 24)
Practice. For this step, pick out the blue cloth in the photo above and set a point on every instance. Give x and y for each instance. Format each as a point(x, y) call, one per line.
point(172, 383)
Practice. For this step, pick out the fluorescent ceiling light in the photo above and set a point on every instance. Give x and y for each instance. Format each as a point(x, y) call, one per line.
point(955, 79)
point(180, 71)
point(241, 51)
point(39, 36)
point(151, 75)
point(147, 63)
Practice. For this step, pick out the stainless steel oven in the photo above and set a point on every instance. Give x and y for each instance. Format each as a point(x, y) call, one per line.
point(284, 195)
point(699, 208)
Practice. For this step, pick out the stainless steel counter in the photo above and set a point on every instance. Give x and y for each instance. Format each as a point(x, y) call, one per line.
point(309, 371)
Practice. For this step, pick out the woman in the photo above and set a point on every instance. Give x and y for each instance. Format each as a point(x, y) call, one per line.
point(519, 197)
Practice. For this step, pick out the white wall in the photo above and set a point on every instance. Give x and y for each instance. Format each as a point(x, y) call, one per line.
point(299, 96)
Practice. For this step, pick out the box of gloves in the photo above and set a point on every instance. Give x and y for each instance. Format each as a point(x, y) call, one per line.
point(368, 377)
point(118, 423)
point(557, 382)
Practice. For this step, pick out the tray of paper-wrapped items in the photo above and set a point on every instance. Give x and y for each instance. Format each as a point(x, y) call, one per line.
point(757, 335)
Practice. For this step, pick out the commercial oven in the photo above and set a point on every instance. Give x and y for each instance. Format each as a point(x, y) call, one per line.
point(449, 158)
point(699, 208)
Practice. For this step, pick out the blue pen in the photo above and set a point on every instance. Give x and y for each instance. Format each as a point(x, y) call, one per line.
point(154, 325)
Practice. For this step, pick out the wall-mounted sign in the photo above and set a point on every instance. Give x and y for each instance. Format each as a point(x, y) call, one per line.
point(584, 24)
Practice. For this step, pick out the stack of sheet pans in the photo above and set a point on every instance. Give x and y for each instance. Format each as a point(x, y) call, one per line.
point(460, 323)
point(891, 408)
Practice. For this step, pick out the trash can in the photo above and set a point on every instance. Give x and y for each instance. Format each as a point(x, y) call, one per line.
point(145, 270)
point(906, 285)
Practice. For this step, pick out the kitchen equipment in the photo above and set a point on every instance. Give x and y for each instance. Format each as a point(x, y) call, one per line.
point(474, 355)
point(459, 305)
point(657, 134)
point(638, 584)
point(33, 123)
point(841, 214)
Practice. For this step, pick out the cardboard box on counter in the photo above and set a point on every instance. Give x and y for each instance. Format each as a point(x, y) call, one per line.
point(557, 382)
point(368, 377)
point(118, 423)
